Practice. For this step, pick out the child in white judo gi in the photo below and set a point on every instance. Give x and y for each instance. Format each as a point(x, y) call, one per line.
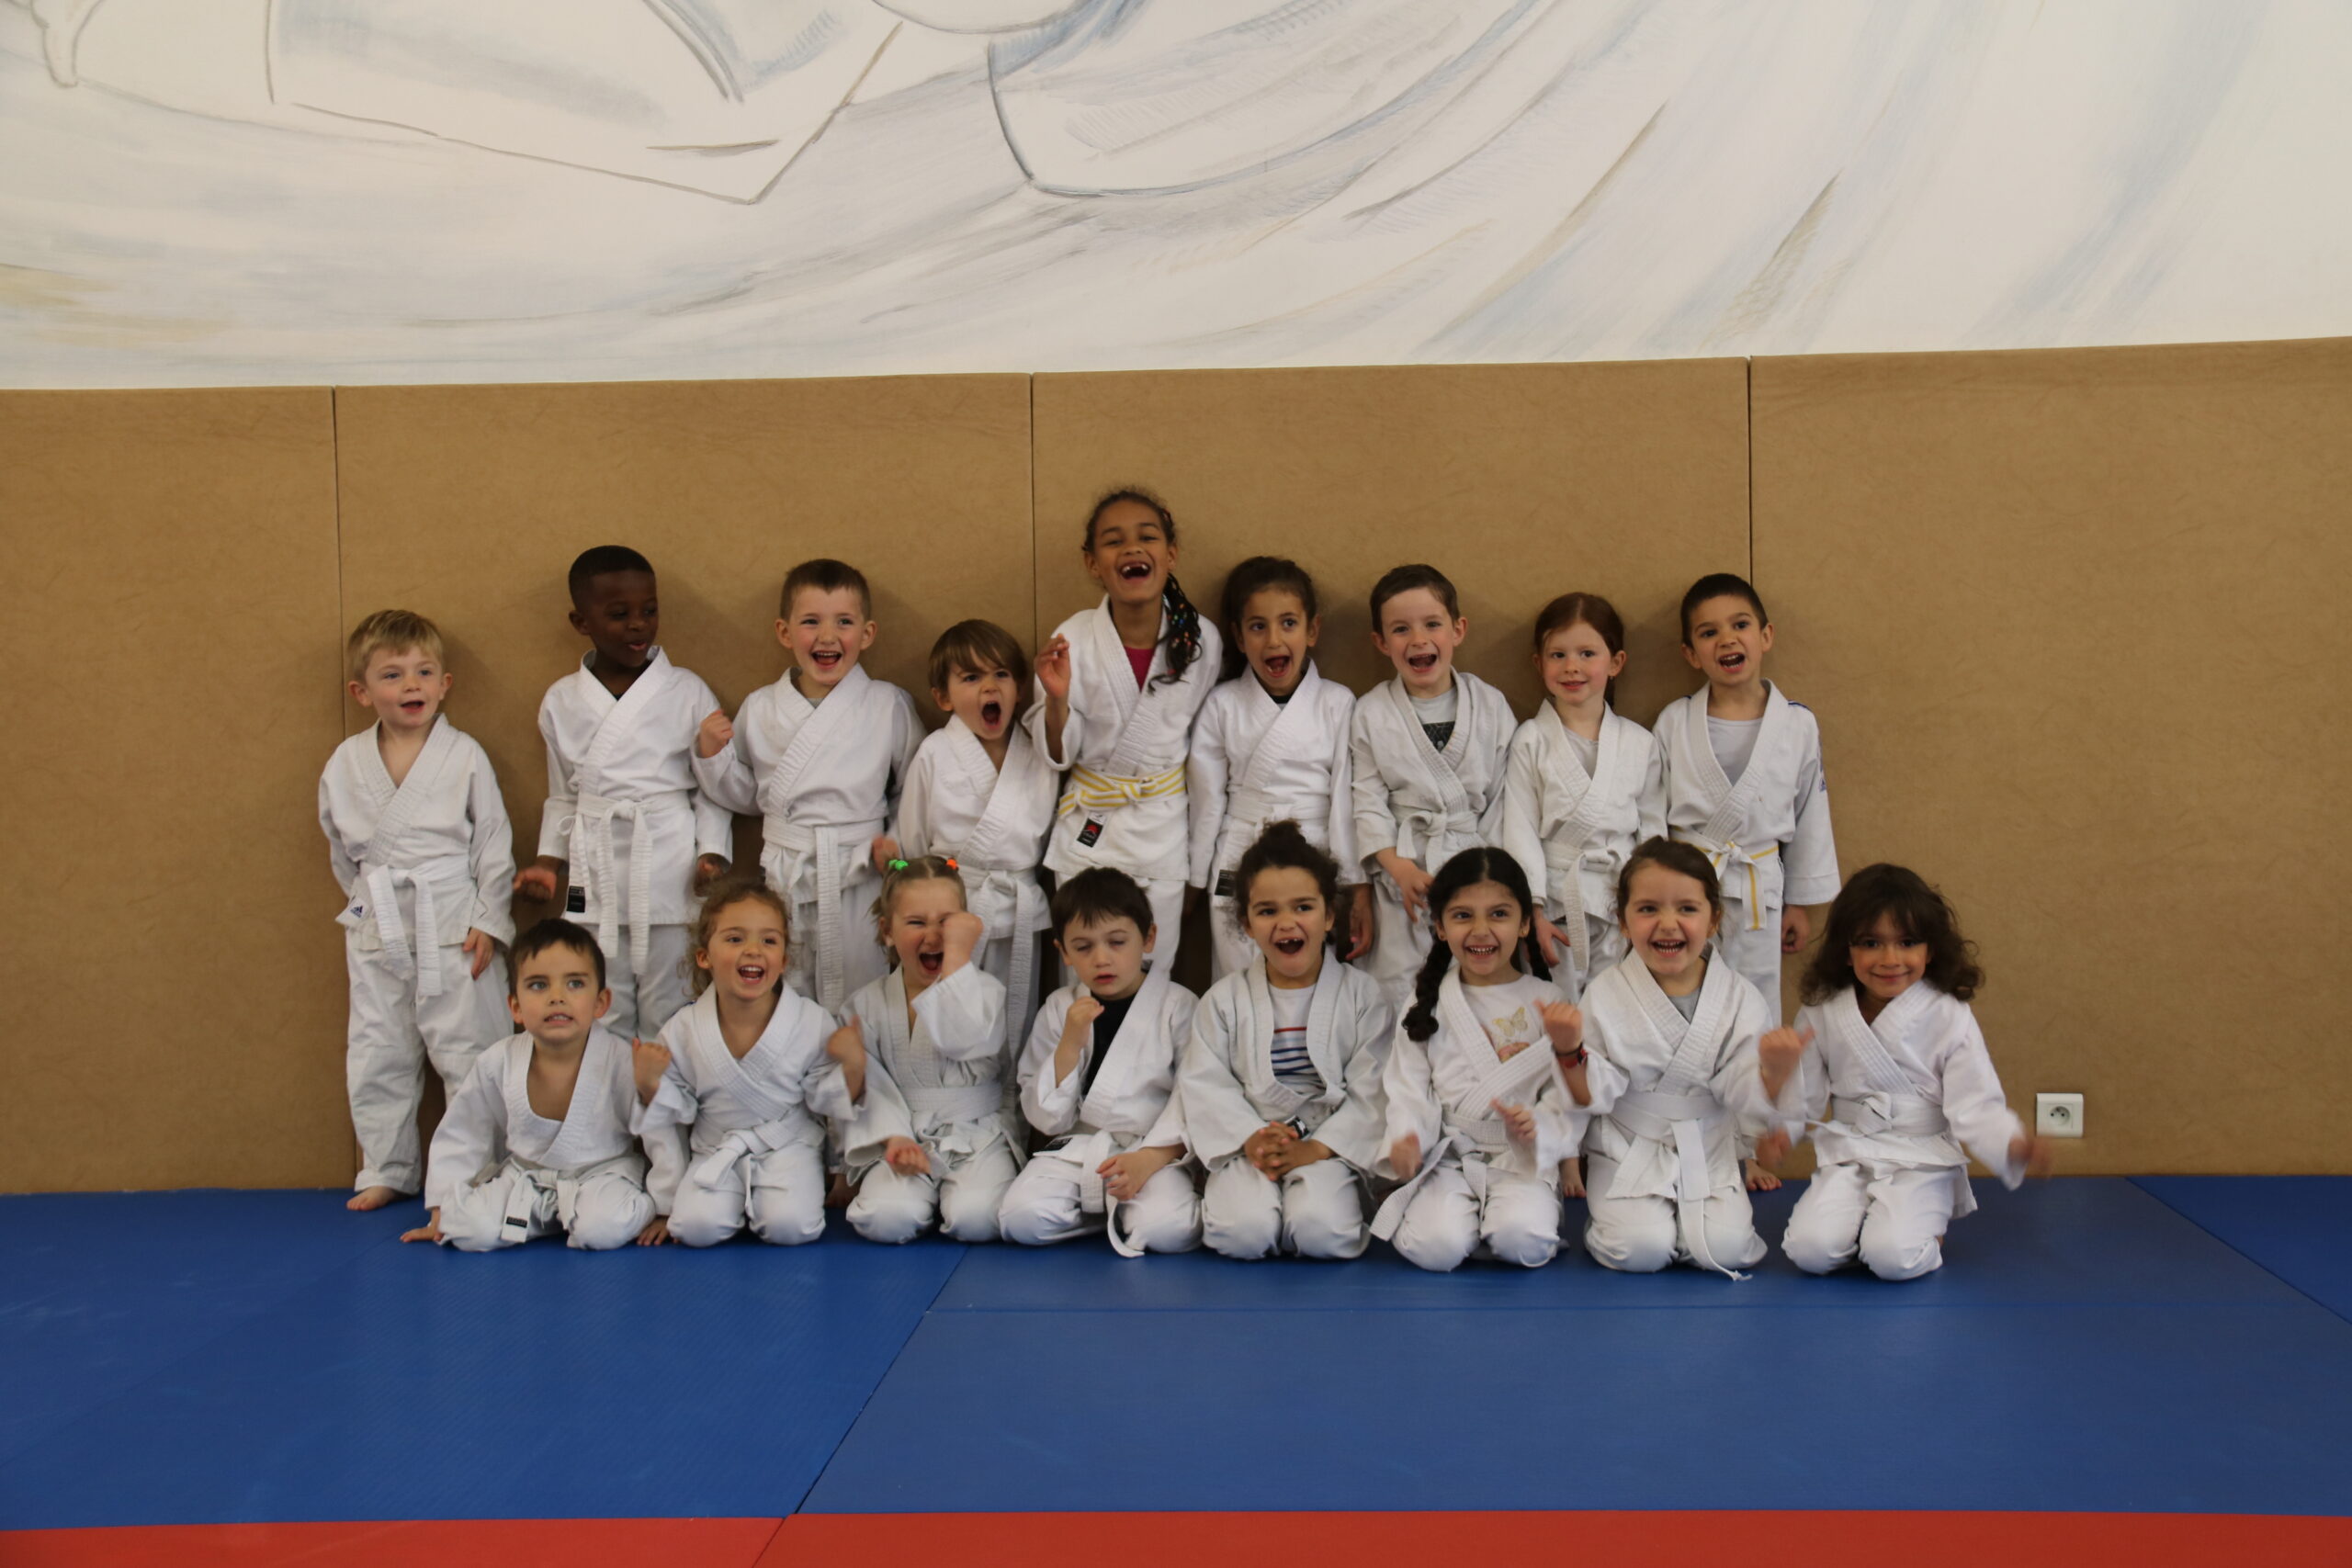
point(625, 824)
point(1280, 1082)
point(1662, 1170)
point(1426, 752)
point(1582, 787)
point(1887, 1066)
point(820, 755)
point(1488, 1083)
point(421, 846)
point(1271, 744)
point(1743, 782)
point(940, 1109)
point(736, 1098)
point(1098, 1079)
point(1118, 686)
point(538, 1139)
point(981, 793)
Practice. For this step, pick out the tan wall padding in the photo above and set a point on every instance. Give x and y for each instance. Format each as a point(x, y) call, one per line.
point(2068, 619)
point(168, 941)
point(1520, 482)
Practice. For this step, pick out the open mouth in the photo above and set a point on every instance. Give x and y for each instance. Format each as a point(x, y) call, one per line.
point(413, 705)
point(825, 658)
point(1481, 952)
point(1135, 571)
point(752, 973)
point(555, 1018)
point(929, 962)
point(992, 717)
point(1732, 663)
point(1669, 945)
point(1420, 664)
point(1277, 665)
point(1290, 946)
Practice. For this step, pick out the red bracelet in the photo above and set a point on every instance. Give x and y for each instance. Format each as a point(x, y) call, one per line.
point(1575, 1061)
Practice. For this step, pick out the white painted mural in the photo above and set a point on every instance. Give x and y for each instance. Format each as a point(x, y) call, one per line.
point(272, 191)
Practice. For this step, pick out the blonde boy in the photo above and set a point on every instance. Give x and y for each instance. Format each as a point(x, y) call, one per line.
point(421, 847)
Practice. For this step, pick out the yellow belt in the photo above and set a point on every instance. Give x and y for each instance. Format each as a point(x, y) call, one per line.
point(1102, 792)
point(1722, 856)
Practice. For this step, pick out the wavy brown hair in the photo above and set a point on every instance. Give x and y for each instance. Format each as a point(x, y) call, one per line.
point(1919, 912)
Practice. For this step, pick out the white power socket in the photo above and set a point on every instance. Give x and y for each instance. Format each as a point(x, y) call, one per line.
point(2058, 1115)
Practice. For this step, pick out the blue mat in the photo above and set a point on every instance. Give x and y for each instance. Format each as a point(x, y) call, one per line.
point(2299, 1227)
point(413, 1382)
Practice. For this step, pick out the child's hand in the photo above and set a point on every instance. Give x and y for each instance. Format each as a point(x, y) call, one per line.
point(1412, 883)
point(1360, 918)
point(717, 733)
point(540, 878)
point(1564, 1025)
point(847, 1044)
point(482, 947)
point(657, 1234)
point(1076, 1027)
point(885, 848)
point(1572, 1177)
point(707, 869)
point(906, 1157)
point(1263, 1148)
point(429, 1231)
point(1052, 665)
point(1518, 1121)
point(648, 1059)
point(1772, 1148)
point(960, 935)
point(1124, 1175)
point(1777, 1056)
point(1548, 939)
point(1796, 928)
point(1297, 1153)
point(2036, 1155)
point(1405, 1156)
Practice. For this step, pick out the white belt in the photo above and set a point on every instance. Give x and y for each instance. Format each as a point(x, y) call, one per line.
point(1683, 1121)
point(384, 882)
point(791, 847)
point(1422, 835)
point(1475, 1140)
point(1014, 908)
point(588, 840)
point(1873, 1115)
point(1087, 1151)
point(971, 1102)
point(1248, 811)
point(793, 1127)
point(1724, 855)
point(541, 1193)
point(1565, 881)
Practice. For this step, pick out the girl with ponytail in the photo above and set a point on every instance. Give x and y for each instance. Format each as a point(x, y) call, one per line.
point(1117, 688)
point(1489, 1084)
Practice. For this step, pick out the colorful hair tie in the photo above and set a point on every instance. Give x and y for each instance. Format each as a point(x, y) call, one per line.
point(897, 866)
point(952, 865)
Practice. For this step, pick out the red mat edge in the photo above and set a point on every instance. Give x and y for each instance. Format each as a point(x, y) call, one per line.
point(401, 1543)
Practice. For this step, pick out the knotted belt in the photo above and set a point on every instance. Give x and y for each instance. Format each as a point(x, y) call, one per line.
point(1106, 792)
point(384, 882)
point(1723, 855)
point(1473, 1140)
point(588, 842)
point(765, 1137)
point(813, 855)
point(1684, 1122)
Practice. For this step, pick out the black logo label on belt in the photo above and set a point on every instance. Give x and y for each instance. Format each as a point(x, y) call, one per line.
point(1225, 885)
point(576, 901)
point(1092, 832)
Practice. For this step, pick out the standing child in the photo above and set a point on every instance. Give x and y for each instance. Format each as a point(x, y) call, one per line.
point(949, 1135)
point(1281, 1081)
point(1489, 1084)
point(1581, 788)
point(1119, 684)
point(539, 1140)
point(1662, 1179)
point(1099, 1078)
point(623, 822)
point(421, 849)
point(736, 1095)
point(1428, 750)
point(981, 794)
point(1898, 1065)
point(821, 754)
point(1271, 744)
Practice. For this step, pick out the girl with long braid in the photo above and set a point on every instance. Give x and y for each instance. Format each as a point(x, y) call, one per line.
point(1489, 1084)
point(1117, 688)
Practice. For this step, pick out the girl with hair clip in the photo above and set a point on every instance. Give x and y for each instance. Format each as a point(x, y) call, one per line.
point(1581, 788)
point(1271, 743)
point(1117, 688)
point(1887, 1049)
point(942, 1112)
point(1280, 1083)
point(1488, 1083)
point(1662, 1177)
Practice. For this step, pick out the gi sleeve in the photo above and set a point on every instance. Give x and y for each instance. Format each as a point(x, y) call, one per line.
point(491, 852)
point(470, 1138)
point(1207, 773)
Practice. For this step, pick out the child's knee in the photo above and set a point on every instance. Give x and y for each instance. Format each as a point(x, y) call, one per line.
point(473, 1226)
point(1524, 1238)
point(1436, 1236)
point(784, 1216)
point(701, 1218)
point(968, 1213)
point(891, 1213)
point(1328, 1223)
point(1899, 1252)
point(1165, 1216)
point(1634, 1238)
point(1239, 1229)
point(1035, 1212)
point(614, 1217)
point(1817, 1244)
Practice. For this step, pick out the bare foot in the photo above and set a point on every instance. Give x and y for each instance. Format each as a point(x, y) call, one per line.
point(371, 1197)
point(840, 1193)
point(1758, 1179)
point(1572, 1178)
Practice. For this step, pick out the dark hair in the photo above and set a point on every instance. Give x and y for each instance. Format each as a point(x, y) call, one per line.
point(825, 576)
point(547, 935)
point(735, 887)
point(980, 647)
point(603, 560)
point(1472, 867)
point(1259, 574)
point(1403, 580)
point(1670, 854)
point(1719, 585)
point(1919, 912)
point(1283, 846)
point(1585, 609)
point(1183, 618)
point(1097, 895)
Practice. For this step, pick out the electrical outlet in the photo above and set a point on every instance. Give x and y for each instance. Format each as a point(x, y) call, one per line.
point(2058, 1115)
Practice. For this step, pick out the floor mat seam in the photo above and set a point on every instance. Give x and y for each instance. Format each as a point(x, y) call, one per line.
point(2226, 1241)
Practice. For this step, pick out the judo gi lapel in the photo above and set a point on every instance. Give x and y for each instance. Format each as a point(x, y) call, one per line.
point(1114, 1076)
point(1732, 801)
point(622, 715)
point(1140, 709)
point(1508, 1079)
point(841, 708)
point(401, 801)
point(1419, 829)
point(763, 1081)
point(575, 1140)
point(1254, 1054)
point(1282, 736)
point(997, 836)
point(1887, 1063)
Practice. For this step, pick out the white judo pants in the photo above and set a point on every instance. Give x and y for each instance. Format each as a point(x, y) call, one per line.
point(1642, 1236)
point(602, 1211)
point(643, 1003)
point(960, 1196)
point(1755, 954)
point(1398, 946)
point(863, 958)
point(1316, 1211)
point(1230, 949)
point(394, 1032)
point(1892, 1217)
point(1046, 1203)
point(1515, 1220)
point(780, 1194)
